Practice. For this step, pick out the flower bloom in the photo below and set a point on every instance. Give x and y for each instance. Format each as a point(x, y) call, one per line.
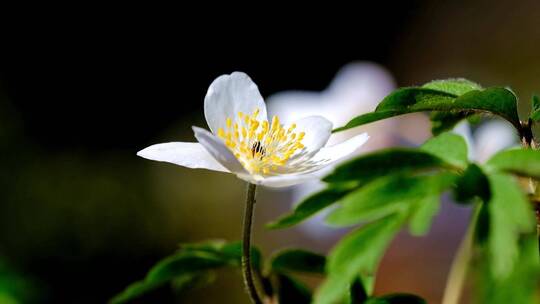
point(244, 142)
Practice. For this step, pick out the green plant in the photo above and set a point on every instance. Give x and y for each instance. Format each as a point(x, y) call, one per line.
point(384, 191)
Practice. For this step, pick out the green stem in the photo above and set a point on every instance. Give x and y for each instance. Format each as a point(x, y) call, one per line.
point(460, 265)
point(247, 269)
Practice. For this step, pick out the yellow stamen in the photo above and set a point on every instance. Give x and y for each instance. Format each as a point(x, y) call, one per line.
point(262, 147)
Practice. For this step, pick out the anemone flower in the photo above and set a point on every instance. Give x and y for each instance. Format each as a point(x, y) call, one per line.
point(489, 138)
point(244, 142)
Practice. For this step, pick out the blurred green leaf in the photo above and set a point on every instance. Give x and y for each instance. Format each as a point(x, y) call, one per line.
point(535, 113)
point(525, 162)
point(188, 268)
point(382, 163)
point(473, 183)
point(456, 86)
point(398, 298)
point(481, 231)
point(510, 215)
point(522, 285)
point(422, 213)
point(16, 287)
point(450, 147)
point(387, 195)
point(193, 281)
point(181, 263)
point(446, 121)
point(292, 291)
point(136, 290)
point(297, 260)
point(357, 253)
point(310, 206)
point(497, 101)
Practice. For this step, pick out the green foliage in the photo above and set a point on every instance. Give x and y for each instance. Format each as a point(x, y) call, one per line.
point(357, 253)
point(14, 287)
point(297, 260)
point(535, 113)
point(524, 162)
point(520, 286)
point(385, 190)
point(473, 183)
point(456, 86)
point(311, 206)
point(388, 195)
point(188, 268)
point(449, 147)
point(194, 265)
point(382, 163)
point(459, 97)
point(422, 213)
point(398, 298)
point(509, 216)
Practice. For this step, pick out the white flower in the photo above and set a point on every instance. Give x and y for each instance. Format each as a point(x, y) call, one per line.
point(244, 142)
point(489, 138)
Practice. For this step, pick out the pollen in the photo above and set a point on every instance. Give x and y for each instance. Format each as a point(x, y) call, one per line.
point(261, 146)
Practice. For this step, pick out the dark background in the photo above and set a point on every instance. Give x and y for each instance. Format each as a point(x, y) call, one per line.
point(80, 214)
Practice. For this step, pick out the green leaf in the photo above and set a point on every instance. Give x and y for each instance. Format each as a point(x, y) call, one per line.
point(481, 230)
point(387, 195)
point(382, 163)
point(446, 121)
point(510, 215)
point(398, 298)
point(497, 101)
point(183, 263)
point(473, 183)
point(311, 206)
point(521, 286)
point(535, 113)
point(232, 253)
point(135, 290)
point(422, 213)
point(292, 291)
point(357, 253)
point(297, 260)
point(524, 162)
point(450, 147)
point(188, 267)
point(456, 86)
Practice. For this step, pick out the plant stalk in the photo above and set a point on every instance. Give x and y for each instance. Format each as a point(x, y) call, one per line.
point(247, 267)
point(460, 265)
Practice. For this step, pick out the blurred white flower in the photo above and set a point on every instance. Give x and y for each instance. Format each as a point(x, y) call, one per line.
point(245, 143)
point(489, 138)
point(356, 89)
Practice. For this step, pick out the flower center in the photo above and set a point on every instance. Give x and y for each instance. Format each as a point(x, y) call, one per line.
point(260, 146)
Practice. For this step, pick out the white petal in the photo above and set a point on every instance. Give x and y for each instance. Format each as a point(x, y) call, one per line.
point(492, 137)
point(218, 150)
point(287, 180)
point(191, 155)
point(464, 130)
point(230, 94)
point(322, 160)
point(334, 153)
point(317, 129)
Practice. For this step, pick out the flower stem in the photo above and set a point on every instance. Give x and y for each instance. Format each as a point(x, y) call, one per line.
point(247, 270)
point(460, 265)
